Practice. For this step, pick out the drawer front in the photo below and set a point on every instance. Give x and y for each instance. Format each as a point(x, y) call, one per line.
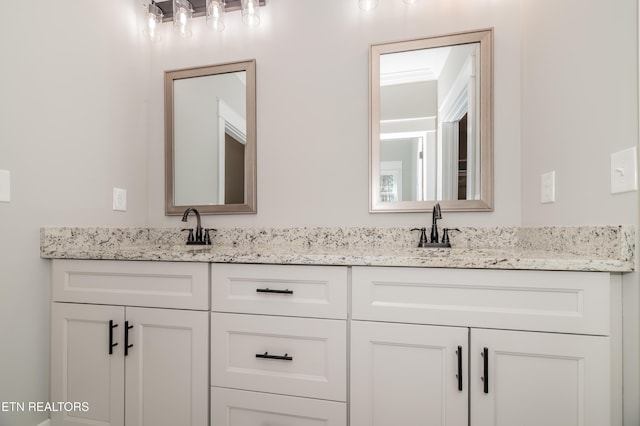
point(556, 301)
point(292, 356)
point(291, 290)
point(180, 285)
point(231, 407)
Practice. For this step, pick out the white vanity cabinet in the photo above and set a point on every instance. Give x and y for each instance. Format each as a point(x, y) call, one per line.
point(278, 345)
point(131, 340)
point(222, 344)
point(482, 347)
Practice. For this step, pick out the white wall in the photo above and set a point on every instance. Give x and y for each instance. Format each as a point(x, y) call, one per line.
point(580, 104)
point(72, 125)
point(312, 82)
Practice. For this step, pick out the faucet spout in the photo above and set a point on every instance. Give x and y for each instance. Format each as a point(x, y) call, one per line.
point(437, 214)
point(185, 216)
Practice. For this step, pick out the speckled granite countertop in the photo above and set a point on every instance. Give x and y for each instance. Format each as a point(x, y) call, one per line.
point(584, 248)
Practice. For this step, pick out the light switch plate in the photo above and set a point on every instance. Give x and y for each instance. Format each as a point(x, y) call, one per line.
point(548, 187)
point(5, 186)
point(624, 171)
point(120, 199)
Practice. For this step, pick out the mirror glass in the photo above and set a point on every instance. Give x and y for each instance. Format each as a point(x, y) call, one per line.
point(431, 123)
point(210, 139)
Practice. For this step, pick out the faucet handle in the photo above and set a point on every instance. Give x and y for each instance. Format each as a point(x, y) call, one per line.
point(423, 236)
point(207, 237)
point(190, 237)
point(445, 234)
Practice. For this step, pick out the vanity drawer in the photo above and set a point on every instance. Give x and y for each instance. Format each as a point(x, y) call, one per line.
point(291, 290)
point(179, 285)
point(291, 356)
point(555, 301)
point(232, 407)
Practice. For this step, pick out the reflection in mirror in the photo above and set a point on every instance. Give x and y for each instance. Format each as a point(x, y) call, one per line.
point(210, 124)
point(431, 125)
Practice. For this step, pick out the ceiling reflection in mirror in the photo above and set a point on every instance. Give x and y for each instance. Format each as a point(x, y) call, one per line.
point(431, 123)
point(210, 139)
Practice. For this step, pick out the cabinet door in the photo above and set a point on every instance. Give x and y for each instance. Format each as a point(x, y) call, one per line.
point(167, 367)
point(231, 407)
point(82, 370)
point(539, 379)
point(405, 374)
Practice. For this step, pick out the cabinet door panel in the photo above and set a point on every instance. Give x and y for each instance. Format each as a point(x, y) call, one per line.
point(167, 368)
point(82, 370)
point(230, 407)
point(540, 379)
point(406, 374)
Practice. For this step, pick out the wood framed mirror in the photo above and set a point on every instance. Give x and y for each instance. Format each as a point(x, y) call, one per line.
point(431, 124)
point(210, 139)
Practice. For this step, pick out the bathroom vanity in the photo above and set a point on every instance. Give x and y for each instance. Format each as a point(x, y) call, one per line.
point(229, 335)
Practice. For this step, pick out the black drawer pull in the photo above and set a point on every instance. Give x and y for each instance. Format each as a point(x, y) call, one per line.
point(459, 375)
point(485, 378)
point(111, 344)
point(266, 355)
point(127, 327)
point(268, 290)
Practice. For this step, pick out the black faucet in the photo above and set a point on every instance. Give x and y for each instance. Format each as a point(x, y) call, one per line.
point(198, 239)
point(433, 240)
point(437, 214)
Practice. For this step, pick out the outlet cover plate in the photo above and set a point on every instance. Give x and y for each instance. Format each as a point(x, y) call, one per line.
point(5, 186)
point(548, 187)
point(624, 171)
point(119, 199)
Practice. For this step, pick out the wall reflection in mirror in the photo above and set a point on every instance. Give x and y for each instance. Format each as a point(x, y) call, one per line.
point(431, 123)
point(210, 136)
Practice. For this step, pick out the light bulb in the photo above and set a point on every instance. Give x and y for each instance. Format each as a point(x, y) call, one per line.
point(251, 12)
point(215, 14)
point(182, 12)
point(154, 18)
point(367, 4)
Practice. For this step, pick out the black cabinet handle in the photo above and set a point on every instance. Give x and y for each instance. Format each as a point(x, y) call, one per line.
point(268, 290)
point(127, 327)
point(111, 344)
point(266, 355)
point(459, 375)
point(485, 378)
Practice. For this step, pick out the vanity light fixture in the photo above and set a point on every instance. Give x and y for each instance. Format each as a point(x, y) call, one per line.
point(182, 14)
point(251, 12)
point(154, 18)
point(215, 14)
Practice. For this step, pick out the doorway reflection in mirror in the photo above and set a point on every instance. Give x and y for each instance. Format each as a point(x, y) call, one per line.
point(426, 99)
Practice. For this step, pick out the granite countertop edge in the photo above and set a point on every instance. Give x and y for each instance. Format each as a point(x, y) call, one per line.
point(424, 258)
